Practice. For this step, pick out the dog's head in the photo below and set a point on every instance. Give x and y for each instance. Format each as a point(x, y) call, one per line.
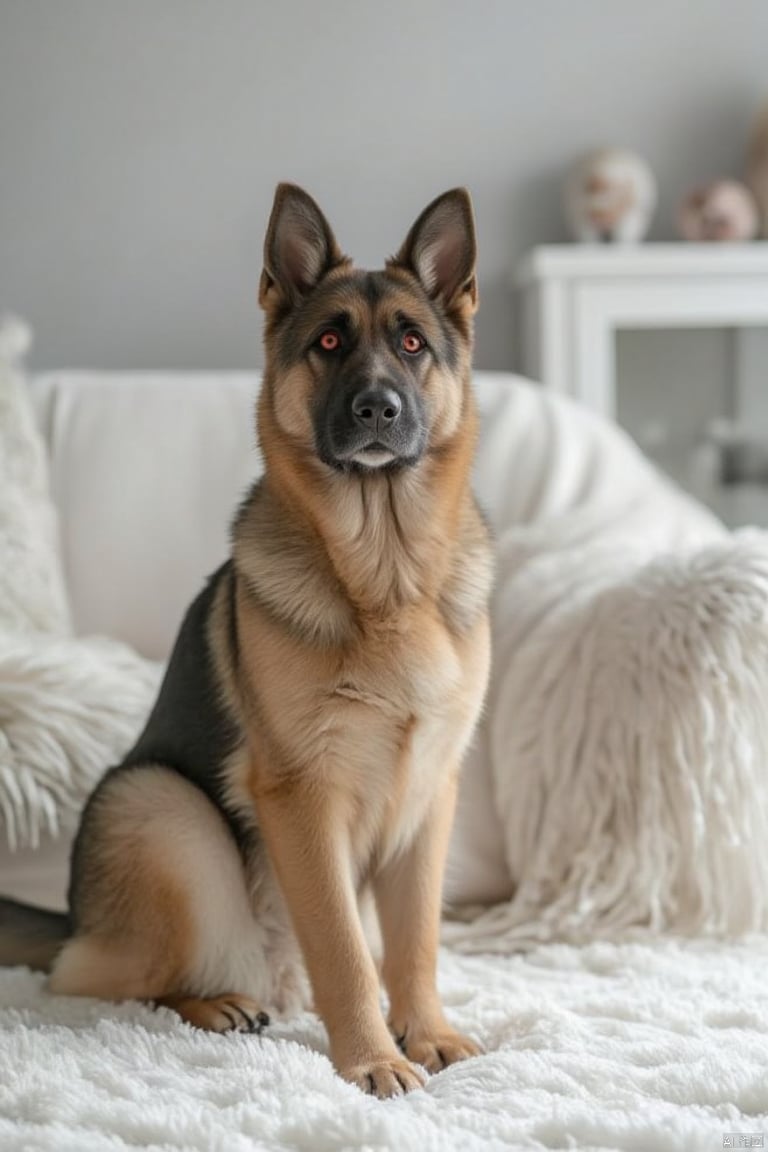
point(368, 370)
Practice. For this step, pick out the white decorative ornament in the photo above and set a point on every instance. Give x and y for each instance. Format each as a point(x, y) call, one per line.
point(609, 197)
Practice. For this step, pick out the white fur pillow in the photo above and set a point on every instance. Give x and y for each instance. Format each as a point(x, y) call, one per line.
point(69, 708)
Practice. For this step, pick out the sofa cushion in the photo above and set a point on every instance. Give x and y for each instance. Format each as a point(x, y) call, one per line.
point(146, 471)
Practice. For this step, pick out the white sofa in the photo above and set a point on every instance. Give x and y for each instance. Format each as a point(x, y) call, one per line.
point(146, 471)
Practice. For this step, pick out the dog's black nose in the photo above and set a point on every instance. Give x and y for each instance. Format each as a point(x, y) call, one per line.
point(377, 408)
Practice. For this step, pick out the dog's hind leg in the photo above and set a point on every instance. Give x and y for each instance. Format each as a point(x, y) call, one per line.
point(161, 906)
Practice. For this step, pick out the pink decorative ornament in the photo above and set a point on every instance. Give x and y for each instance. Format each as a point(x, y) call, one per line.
point(757, 169)
point(724, 212)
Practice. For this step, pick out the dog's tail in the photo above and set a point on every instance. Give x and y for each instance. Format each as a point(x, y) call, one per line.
point(30, 936)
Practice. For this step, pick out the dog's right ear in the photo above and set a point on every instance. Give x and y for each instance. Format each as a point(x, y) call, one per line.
point(441, 251)
point(298, 250)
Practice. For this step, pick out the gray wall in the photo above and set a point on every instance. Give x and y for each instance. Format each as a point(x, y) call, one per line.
point(140, 141)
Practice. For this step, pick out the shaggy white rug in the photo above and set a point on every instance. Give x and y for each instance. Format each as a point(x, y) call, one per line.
point(635, 1047)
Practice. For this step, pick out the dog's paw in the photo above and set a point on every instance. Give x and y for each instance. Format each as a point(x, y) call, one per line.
point(228, 1013)
point(239, 1014)
point(385, 1077)
point(435, 1050)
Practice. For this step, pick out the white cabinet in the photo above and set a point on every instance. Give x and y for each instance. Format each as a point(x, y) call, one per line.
point(577, 298)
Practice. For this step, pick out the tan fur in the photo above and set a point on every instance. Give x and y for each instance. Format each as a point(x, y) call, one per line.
point(359, 607)
point(111, 958)
point(408, 900)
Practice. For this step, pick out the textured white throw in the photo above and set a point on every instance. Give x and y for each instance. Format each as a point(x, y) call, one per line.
point(628, 724)
point(610, 1047)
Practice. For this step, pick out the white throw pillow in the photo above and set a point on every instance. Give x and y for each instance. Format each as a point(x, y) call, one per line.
point(32, 593)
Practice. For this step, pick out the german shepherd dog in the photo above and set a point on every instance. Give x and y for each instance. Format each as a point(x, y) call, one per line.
point(300, 765)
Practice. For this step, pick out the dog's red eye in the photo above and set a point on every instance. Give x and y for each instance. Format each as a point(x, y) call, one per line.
point(330, 341)
point(413, 342)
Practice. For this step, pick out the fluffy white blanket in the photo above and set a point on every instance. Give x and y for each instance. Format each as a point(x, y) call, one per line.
point(628, 730)
point(620, 1047)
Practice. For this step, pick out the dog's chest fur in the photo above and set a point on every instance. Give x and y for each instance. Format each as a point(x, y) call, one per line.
point(378, 704)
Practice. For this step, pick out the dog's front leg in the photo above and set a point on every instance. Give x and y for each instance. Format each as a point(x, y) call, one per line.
point(409, 896)
point(308, 845)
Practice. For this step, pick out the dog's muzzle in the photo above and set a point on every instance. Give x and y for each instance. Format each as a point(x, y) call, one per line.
point(371, 426)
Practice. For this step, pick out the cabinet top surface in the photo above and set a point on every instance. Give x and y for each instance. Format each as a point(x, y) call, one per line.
point(584, 261)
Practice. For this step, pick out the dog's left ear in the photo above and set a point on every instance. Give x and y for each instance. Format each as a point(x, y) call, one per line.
point(299, 247)
point(441, 250)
